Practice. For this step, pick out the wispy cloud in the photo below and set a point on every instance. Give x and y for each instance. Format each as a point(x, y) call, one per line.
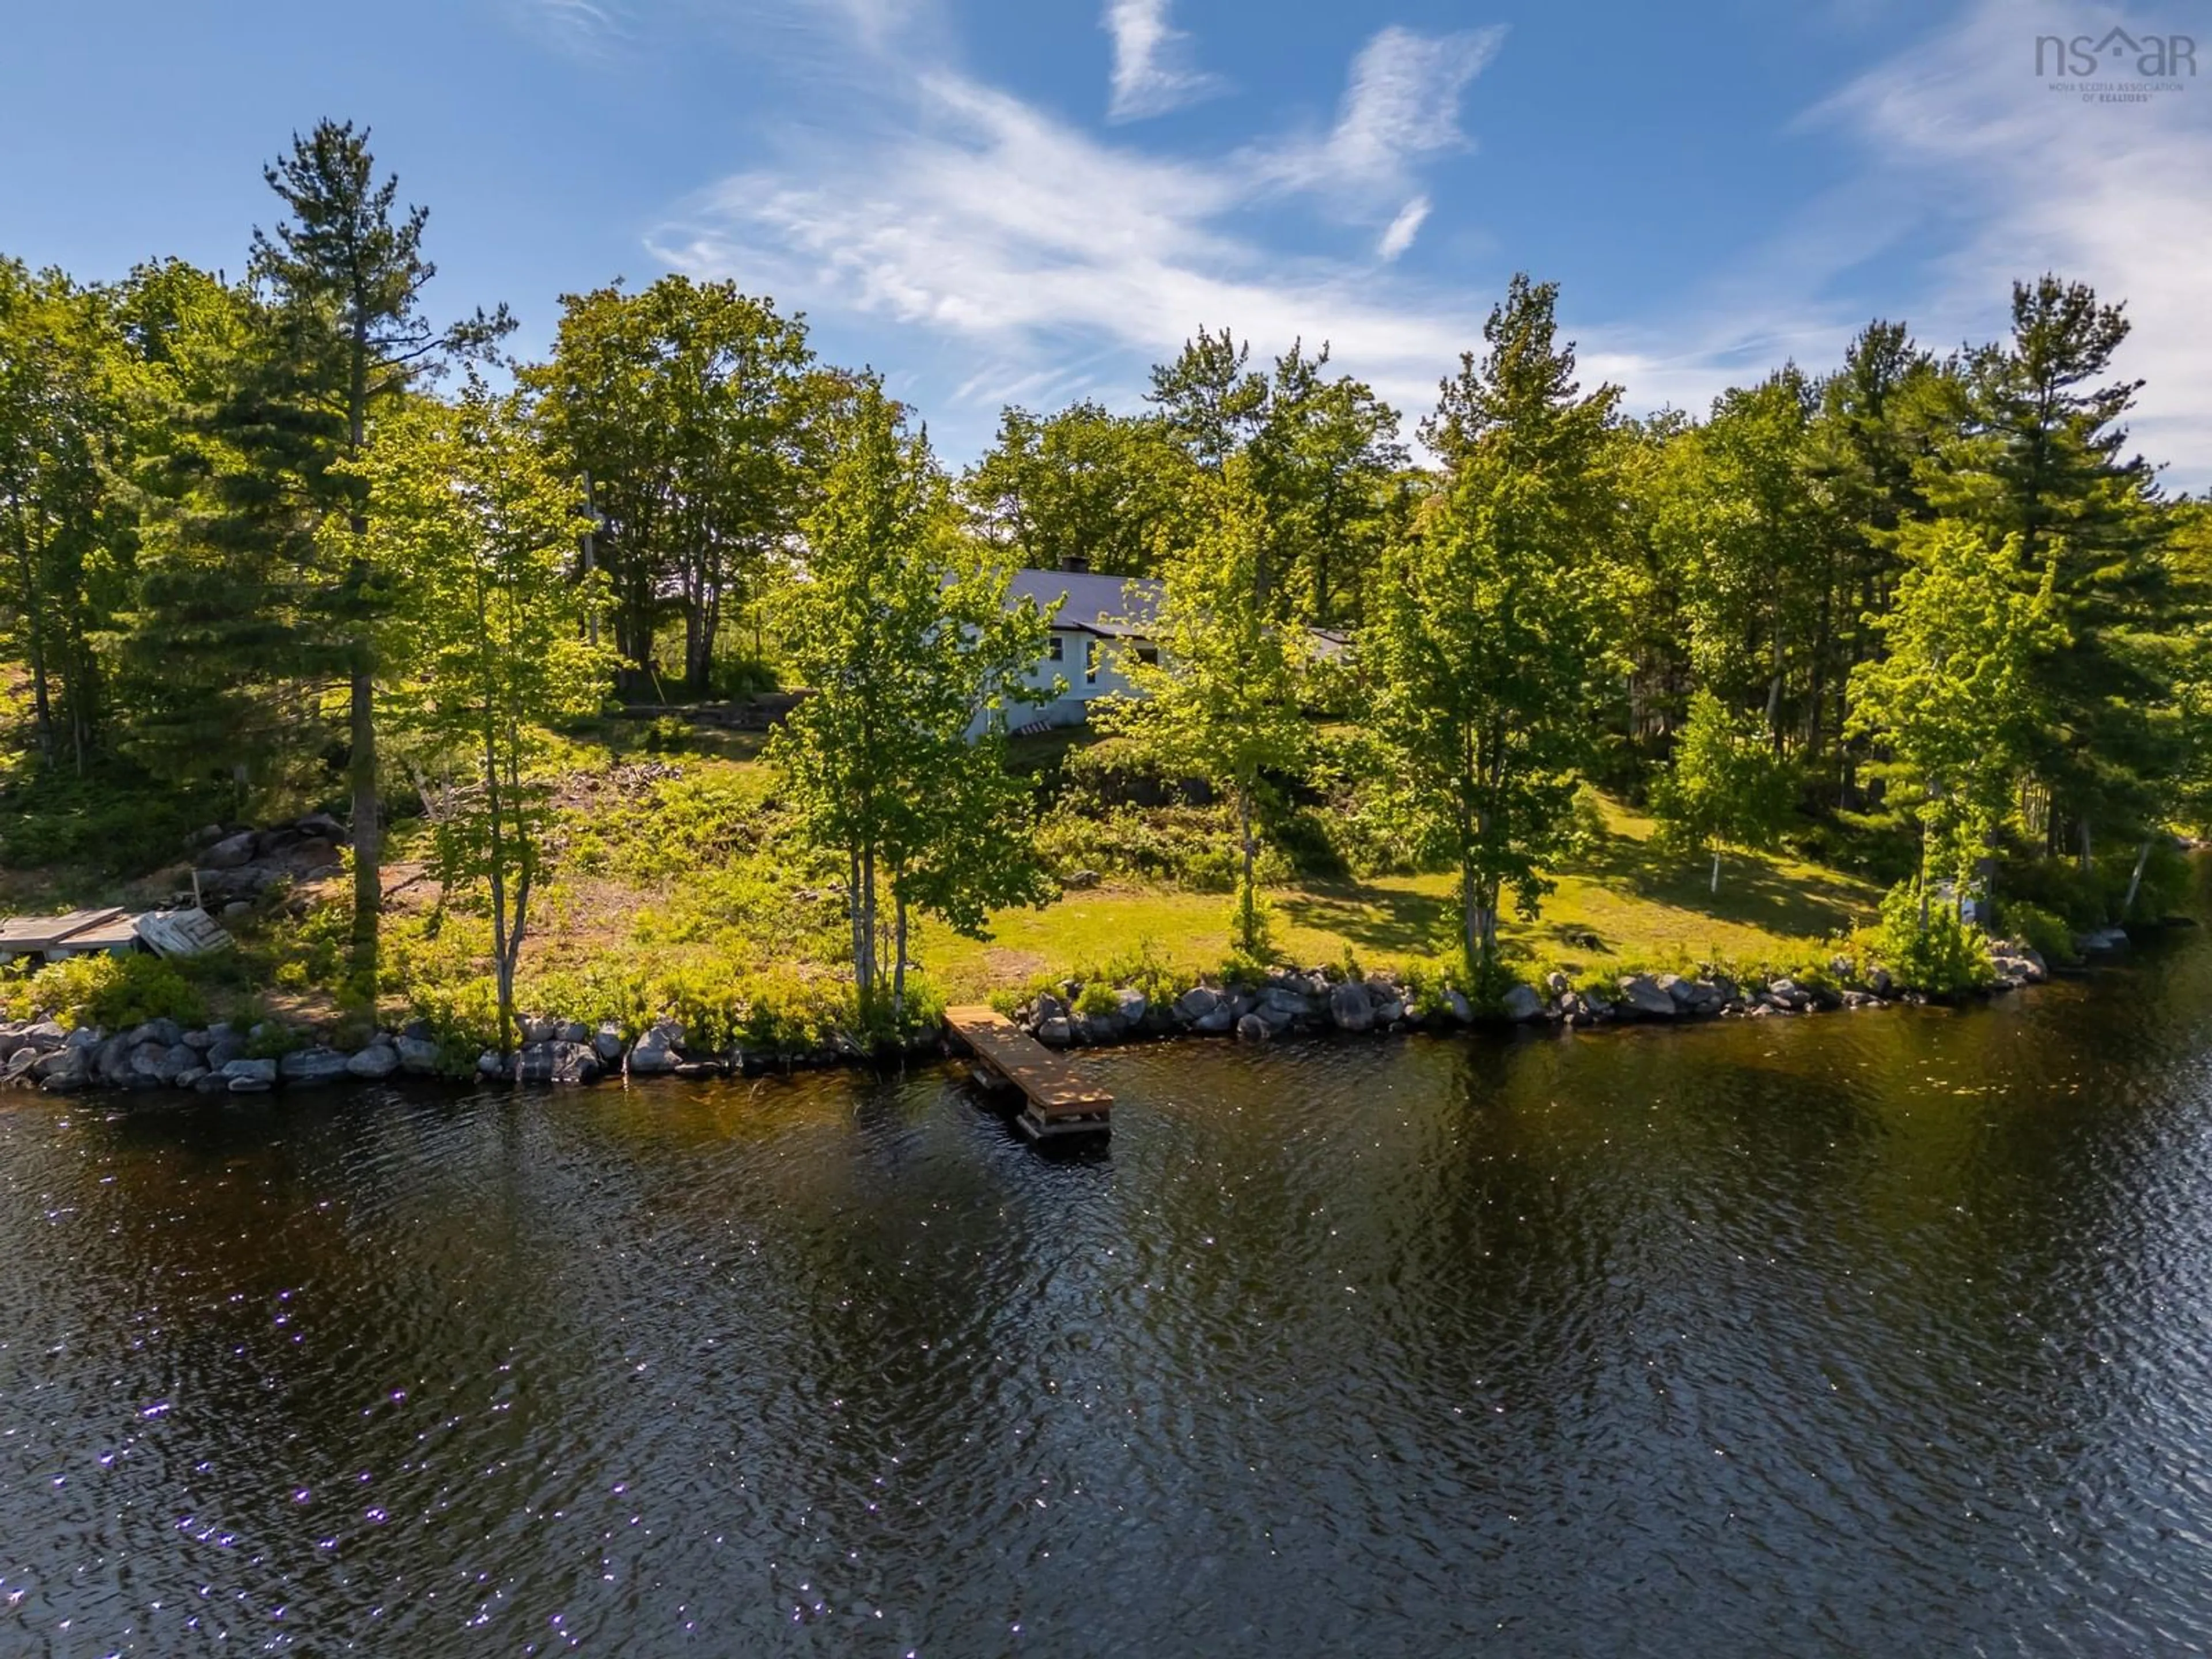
point(1401, 106)
point(991, 223)
point(1402, 230)
point(1981, 158)
point(1153, 68)
point(581, 28)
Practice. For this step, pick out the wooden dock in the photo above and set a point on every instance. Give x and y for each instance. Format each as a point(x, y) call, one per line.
point(1056, 1099)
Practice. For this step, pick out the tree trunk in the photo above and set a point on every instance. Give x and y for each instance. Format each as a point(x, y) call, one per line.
point(1247, 917)
point(859, 919)
point(2084, 841)
point(368, 832)
point(898, 957)
point(1717, 872)
point(2134, 880)
point(34, 635)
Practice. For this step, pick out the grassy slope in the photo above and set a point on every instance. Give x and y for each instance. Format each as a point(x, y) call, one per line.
point(1642, 906)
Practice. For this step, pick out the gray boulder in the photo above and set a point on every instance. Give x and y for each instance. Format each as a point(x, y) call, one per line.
point(1390, 1009)
point(1684, 991)
point(1459, 1007)
point(491, 1063)
point(1349, 1008)
point(575, 1062)
point(573, 1030)
point(45, 1037)
point(656, 1051)
point(380, 1059)
point(64, 1069)
point(538, 1028)
point(188, 1078)
point(157, 1063)
point(1134, 1006)
point(1879, 982)
point(1253, 1028)
point(310, 1067)
point(1055, 1032)
point(224, 1049)
point(229, 852)
point(1522, 1005)
point(263, 1070)
point(418, 1056)
point(19, 1064)
point(111, 1061)
point(1222, 1016)
point(607, 1043)
point(1281, 1004)
point(1198, 1002)
point(1642, 993)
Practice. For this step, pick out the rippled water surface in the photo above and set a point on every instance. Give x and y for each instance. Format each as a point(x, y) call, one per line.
point(1886, 1333)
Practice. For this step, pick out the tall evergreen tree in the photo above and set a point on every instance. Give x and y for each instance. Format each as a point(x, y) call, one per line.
point(1491, 619)
point(2039, 452)
point(343, 276)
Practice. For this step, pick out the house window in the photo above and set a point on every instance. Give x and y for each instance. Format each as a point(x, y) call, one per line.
point(1059, 649)
point(1148, 654)
point(1091, 662)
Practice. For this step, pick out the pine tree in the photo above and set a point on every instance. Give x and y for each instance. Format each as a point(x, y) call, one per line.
point(1491, 621)
point(342, 277)
point(2039, 452)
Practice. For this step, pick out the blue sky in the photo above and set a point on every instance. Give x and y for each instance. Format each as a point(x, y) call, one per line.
point(991, 200)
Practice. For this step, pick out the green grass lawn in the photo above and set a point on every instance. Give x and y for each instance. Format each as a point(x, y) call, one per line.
point(1642, 906)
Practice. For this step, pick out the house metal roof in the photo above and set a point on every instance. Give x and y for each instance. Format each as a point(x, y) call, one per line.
point(1112, 607)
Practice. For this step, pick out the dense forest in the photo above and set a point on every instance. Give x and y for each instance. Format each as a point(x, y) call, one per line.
point(312, 537)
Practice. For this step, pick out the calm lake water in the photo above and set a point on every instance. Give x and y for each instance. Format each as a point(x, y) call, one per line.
point(1878, 1333)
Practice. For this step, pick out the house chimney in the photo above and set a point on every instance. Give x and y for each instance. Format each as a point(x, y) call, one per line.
point(1074, 562)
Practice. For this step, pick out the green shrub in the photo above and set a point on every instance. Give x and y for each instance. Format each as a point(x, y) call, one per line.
point(1944, 955)
point(463, 1015)
point(2047, 935)
point(1098, 997)
point(114, 992)
point(1145, 971)
point(1428, 987)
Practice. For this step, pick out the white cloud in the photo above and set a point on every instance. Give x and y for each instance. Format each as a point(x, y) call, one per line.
point(1401, 105)
point(1976, 155)
point(582, 28)
point(1153, 68)
point(1030, 245)
point(1403, 228)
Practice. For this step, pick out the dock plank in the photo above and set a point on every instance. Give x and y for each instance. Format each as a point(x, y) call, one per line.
point(1060, 1099)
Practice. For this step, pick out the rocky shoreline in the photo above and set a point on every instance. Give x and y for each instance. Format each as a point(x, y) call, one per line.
point(160, 1054)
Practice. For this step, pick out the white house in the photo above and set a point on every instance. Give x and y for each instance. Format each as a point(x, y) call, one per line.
point(1101, 614)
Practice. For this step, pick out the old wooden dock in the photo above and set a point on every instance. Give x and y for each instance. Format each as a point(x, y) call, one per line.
point(1057, 1100)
